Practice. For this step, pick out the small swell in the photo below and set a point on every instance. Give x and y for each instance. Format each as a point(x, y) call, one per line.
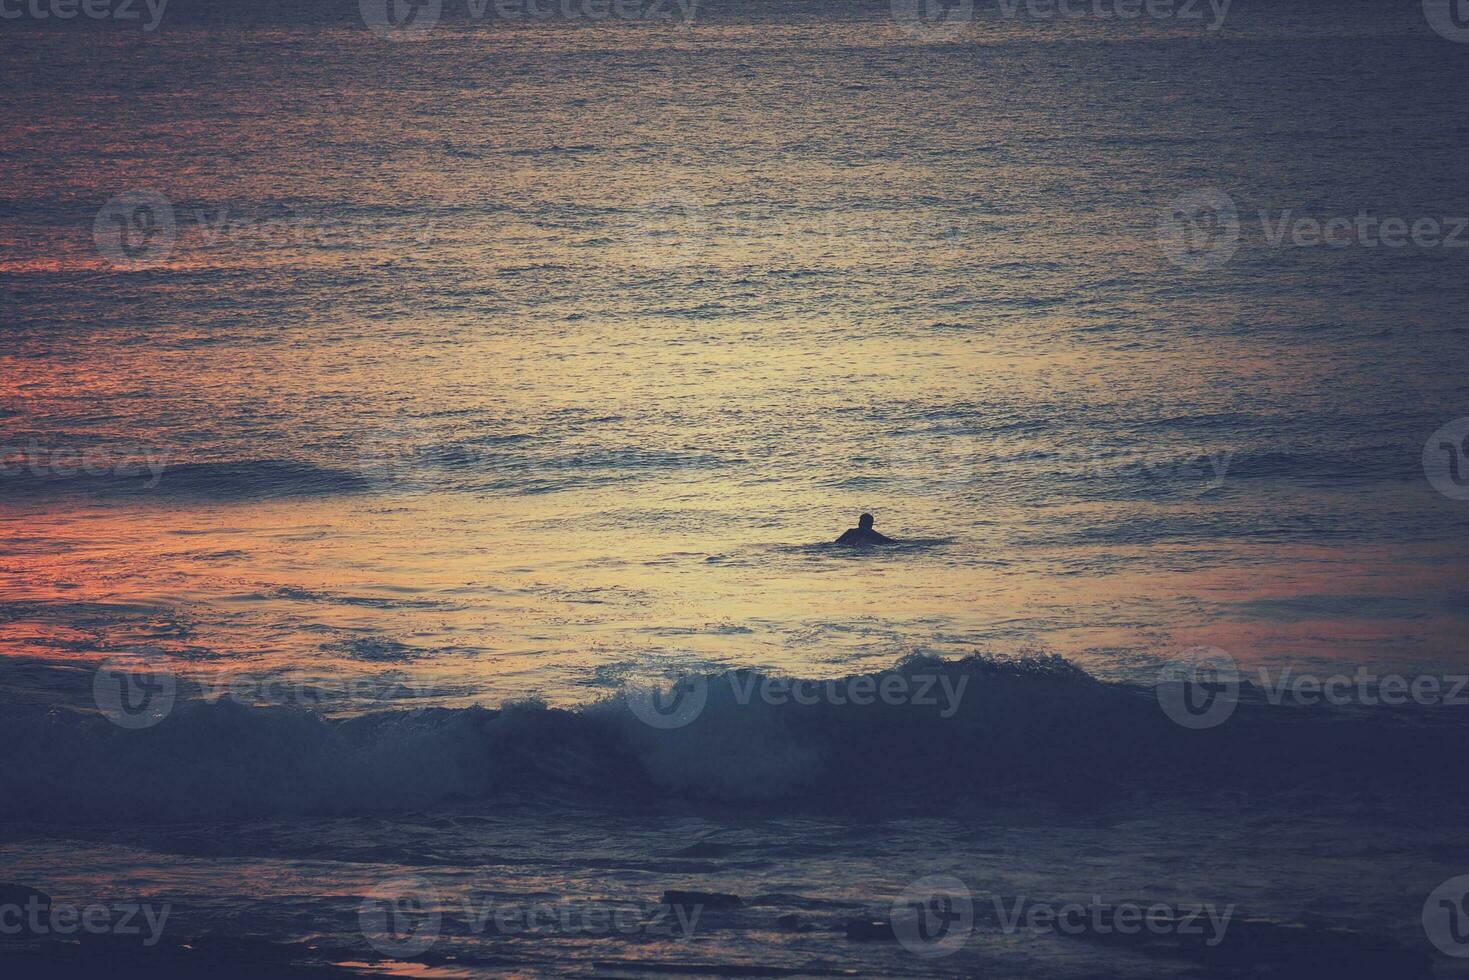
point(244, 480)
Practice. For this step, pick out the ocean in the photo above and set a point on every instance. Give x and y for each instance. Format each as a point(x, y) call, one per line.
point(423, 428)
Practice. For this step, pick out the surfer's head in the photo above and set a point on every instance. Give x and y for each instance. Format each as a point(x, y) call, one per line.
point(865, 522)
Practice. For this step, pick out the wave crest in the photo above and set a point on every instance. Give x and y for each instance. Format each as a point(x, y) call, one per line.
point(945, 732)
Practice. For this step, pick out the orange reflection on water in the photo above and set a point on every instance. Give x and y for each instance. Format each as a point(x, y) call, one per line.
point(510, 596)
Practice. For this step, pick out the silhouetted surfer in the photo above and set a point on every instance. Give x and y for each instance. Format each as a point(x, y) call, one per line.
point(863, 533)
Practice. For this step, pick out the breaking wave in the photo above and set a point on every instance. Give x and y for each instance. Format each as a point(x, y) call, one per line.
point(966, 732)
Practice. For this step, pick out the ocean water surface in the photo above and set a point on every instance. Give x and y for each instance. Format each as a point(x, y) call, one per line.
point(443, 389)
